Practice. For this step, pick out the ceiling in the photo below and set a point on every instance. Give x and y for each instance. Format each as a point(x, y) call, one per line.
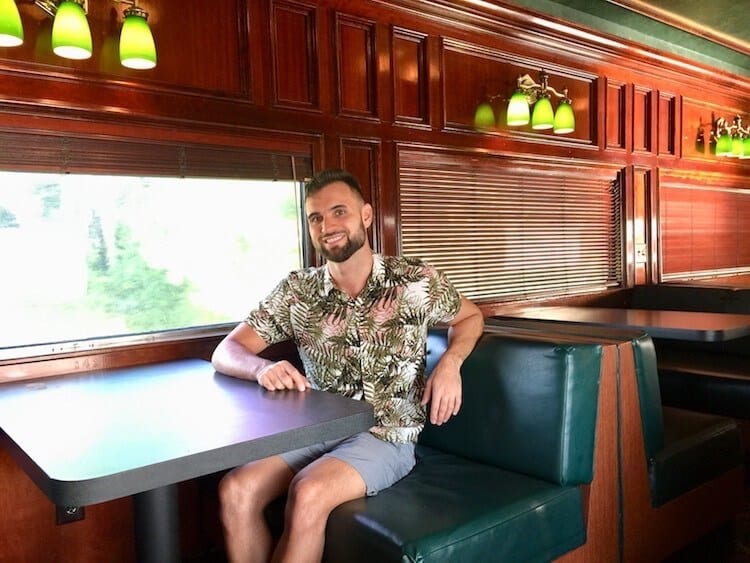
point(712, 32)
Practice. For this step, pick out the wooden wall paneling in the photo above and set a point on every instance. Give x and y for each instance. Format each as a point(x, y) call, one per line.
point(615, 115)
point(295, 56)
point(698, 115)
point(356, 67)
point(643, 255)
point(435, 65)
point(361, 157)
point(410, 77)
point(388, 199)
point(667, 124)
point(472, 73)
point(696, 127)
point(28, 531)
point(385, 73)
point(259, 51)
point(625, 177)
point(190, 58)
point(642, 119)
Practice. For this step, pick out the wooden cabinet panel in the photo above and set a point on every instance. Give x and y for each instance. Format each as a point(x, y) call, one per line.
point(355, 47)
point(472, 74)
point(190, 53)
point(615, 124)
point(642, 119)
point(667, 131)
point(410, 76)
point(295, 55)
point(362, 158)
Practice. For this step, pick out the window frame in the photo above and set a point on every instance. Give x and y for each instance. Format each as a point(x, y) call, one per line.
point(148, 151)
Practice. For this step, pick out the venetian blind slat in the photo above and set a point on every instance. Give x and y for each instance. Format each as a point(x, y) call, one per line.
point(81, 154)
point(508, 229)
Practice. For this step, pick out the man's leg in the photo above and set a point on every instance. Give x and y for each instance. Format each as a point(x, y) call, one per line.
point(314, 493)
point(244, 493)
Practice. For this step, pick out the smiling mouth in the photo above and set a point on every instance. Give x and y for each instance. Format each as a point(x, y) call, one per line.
point(333, 239)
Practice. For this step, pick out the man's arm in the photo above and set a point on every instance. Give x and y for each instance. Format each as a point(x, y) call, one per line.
point(237, 355)
point(443, 387)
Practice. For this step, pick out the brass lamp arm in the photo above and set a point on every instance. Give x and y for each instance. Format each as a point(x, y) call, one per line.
point(534, 90)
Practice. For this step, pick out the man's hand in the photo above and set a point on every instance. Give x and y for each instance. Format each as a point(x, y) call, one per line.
point(443, 389)
point(281, 375)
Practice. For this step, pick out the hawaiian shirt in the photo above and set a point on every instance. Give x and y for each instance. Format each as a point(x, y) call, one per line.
point(369, 347)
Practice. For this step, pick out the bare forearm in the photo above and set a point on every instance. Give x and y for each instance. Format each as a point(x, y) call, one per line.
point(232, 358)
point(463, 336)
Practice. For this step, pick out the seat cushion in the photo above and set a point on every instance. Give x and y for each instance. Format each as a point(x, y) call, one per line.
point(697, 448)
point(452, 509)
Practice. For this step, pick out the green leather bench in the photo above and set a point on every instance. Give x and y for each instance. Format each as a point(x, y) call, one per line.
point(501, 480)
point(675, 463)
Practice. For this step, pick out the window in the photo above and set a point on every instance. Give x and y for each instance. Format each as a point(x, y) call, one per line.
point(90, 256)
point(506, 229)
point(92, 260)
point(704, 228)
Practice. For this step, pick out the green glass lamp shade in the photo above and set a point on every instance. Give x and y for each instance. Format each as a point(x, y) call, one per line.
point(11, 30)
point(736, 146)
point(746, 147)
point(518, 109)
point(724, 145)
point(565, 119)
point(137, 48)
point(542, 117)
point(71, 36)
point(484, 117)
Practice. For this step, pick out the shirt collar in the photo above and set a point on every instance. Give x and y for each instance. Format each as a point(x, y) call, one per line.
point(377, 276)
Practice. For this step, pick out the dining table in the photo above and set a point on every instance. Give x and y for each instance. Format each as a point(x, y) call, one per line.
point(86, 438)
point(676, 325)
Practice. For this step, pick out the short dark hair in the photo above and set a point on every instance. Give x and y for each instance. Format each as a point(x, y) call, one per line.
point(329, 176)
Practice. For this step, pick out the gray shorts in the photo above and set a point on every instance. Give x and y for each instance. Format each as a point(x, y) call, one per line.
point(380, 463)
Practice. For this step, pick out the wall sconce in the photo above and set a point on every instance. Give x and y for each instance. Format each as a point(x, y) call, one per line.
point(529, 93)
point(71, 36)
point(726, 139)
point(137, 48)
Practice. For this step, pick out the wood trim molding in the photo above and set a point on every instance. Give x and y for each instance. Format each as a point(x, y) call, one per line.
point(690, 26)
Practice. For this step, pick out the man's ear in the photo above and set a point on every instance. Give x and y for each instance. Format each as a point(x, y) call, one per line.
point(367, 215)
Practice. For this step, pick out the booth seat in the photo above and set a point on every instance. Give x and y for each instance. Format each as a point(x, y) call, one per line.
point(681, 471)
point(507, 479)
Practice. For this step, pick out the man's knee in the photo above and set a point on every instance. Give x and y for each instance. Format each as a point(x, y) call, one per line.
point(234, 491)
point(307, 502)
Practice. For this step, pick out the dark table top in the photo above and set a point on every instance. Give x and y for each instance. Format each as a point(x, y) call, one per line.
point(681, 325)
point(92, 437)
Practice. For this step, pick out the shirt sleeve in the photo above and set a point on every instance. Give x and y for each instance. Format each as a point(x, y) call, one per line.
point(444, 299)
point(271, 320)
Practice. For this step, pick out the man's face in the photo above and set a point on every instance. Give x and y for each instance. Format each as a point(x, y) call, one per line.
point(338, 221)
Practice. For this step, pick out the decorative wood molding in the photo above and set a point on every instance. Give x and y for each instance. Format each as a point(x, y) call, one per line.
point(685, 24)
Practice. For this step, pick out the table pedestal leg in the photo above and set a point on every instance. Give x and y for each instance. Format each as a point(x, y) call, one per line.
point(157, 526)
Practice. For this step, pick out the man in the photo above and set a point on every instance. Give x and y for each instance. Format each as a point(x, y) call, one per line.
point(360, 325)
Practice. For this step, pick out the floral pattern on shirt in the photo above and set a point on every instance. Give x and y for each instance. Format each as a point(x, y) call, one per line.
point(371, 347)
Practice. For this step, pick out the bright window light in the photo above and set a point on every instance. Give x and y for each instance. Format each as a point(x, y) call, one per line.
point(85, 257)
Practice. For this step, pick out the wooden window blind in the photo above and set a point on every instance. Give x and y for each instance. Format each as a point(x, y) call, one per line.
point(506, 229)
point(703, 230)
point(56, 152)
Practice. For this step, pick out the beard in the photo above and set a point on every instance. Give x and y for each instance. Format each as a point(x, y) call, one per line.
point(343, 253)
